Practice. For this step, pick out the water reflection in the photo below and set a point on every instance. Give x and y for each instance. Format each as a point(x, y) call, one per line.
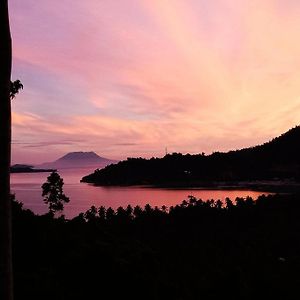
point(27, 187)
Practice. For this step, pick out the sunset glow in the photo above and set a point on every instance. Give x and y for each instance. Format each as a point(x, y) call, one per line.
point(131, 77)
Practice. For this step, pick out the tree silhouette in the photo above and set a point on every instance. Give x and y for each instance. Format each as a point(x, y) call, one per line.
point(110, 213)
point(102, 213)
point(137, 211)
point(91, 214)
point(15, 87)
point(6, 289)
point(129, 211)
point(53, 193)
point(277, 159)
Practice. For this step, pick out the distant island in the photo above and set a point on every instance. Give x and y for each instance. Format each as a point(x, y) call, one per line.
point(78, 160)
point(70, 160)
point(20, 168)
point(276, 161)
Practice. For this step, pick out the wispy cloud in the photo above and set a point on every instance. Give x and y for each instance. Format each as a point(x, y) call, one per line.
point(128, 78)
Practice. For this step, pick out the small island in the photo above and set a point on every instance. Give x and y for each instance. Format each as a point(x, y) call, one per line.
point(20, 168)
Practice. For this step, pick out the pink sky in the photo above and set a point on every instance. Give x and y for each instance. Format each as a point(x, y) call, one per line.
point(129, 78)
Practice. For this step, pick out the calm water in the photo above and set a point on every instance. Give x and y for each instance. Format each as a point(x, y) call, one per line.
point(27, 187)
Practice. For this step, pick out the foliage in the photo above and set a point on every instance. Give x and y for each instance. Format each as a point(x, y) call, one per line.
point(15, 87)
point(277, 159)
point(243, 249)
point(53, 193)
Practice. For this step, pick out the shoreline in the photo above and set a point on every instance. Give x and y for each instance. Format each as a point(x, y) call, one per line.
point(274, 186)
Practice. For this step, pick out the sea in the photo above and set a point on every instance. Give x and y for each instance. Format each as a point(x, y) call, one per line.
point(27, 189)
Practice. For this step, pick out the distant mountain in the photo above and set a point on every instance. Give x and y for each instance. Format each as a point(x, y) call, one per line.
point(78, 160)
point(275, 160)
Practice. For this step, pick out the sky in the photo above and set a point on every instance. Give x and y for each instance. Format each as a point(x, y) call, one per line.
point(130, 78)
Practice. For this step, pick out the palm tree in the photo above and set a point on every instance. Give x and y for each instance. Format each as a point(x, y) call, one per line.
point(6, 286)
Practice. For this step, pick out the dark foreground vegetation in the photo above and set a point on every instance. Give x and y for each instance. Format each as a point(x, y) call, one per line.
point(197, 250)
point(278, 160)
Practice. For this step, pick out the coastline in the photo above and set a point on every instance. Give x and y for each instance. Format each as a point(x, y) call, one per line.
point(273, 186)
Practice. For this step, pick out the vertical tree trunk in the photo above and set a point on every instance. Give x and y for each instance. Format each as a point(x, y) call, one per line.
point(6, 286)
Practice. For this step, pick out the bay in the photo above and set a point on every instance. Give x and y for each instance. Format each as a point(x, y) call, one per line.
point(27, 188)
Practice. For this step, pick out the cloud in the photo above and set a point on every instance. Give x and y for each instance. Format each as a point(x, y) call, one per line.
point(194, 76)
point(47, 143)
point(126, 144)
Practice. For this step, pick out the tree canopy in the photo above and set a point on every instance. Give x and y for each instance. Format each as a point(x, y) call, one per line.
point(53, 193)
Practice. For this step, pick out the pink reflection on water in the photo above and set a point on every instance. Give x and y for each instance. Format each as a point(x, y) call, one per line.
point(27, 187)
